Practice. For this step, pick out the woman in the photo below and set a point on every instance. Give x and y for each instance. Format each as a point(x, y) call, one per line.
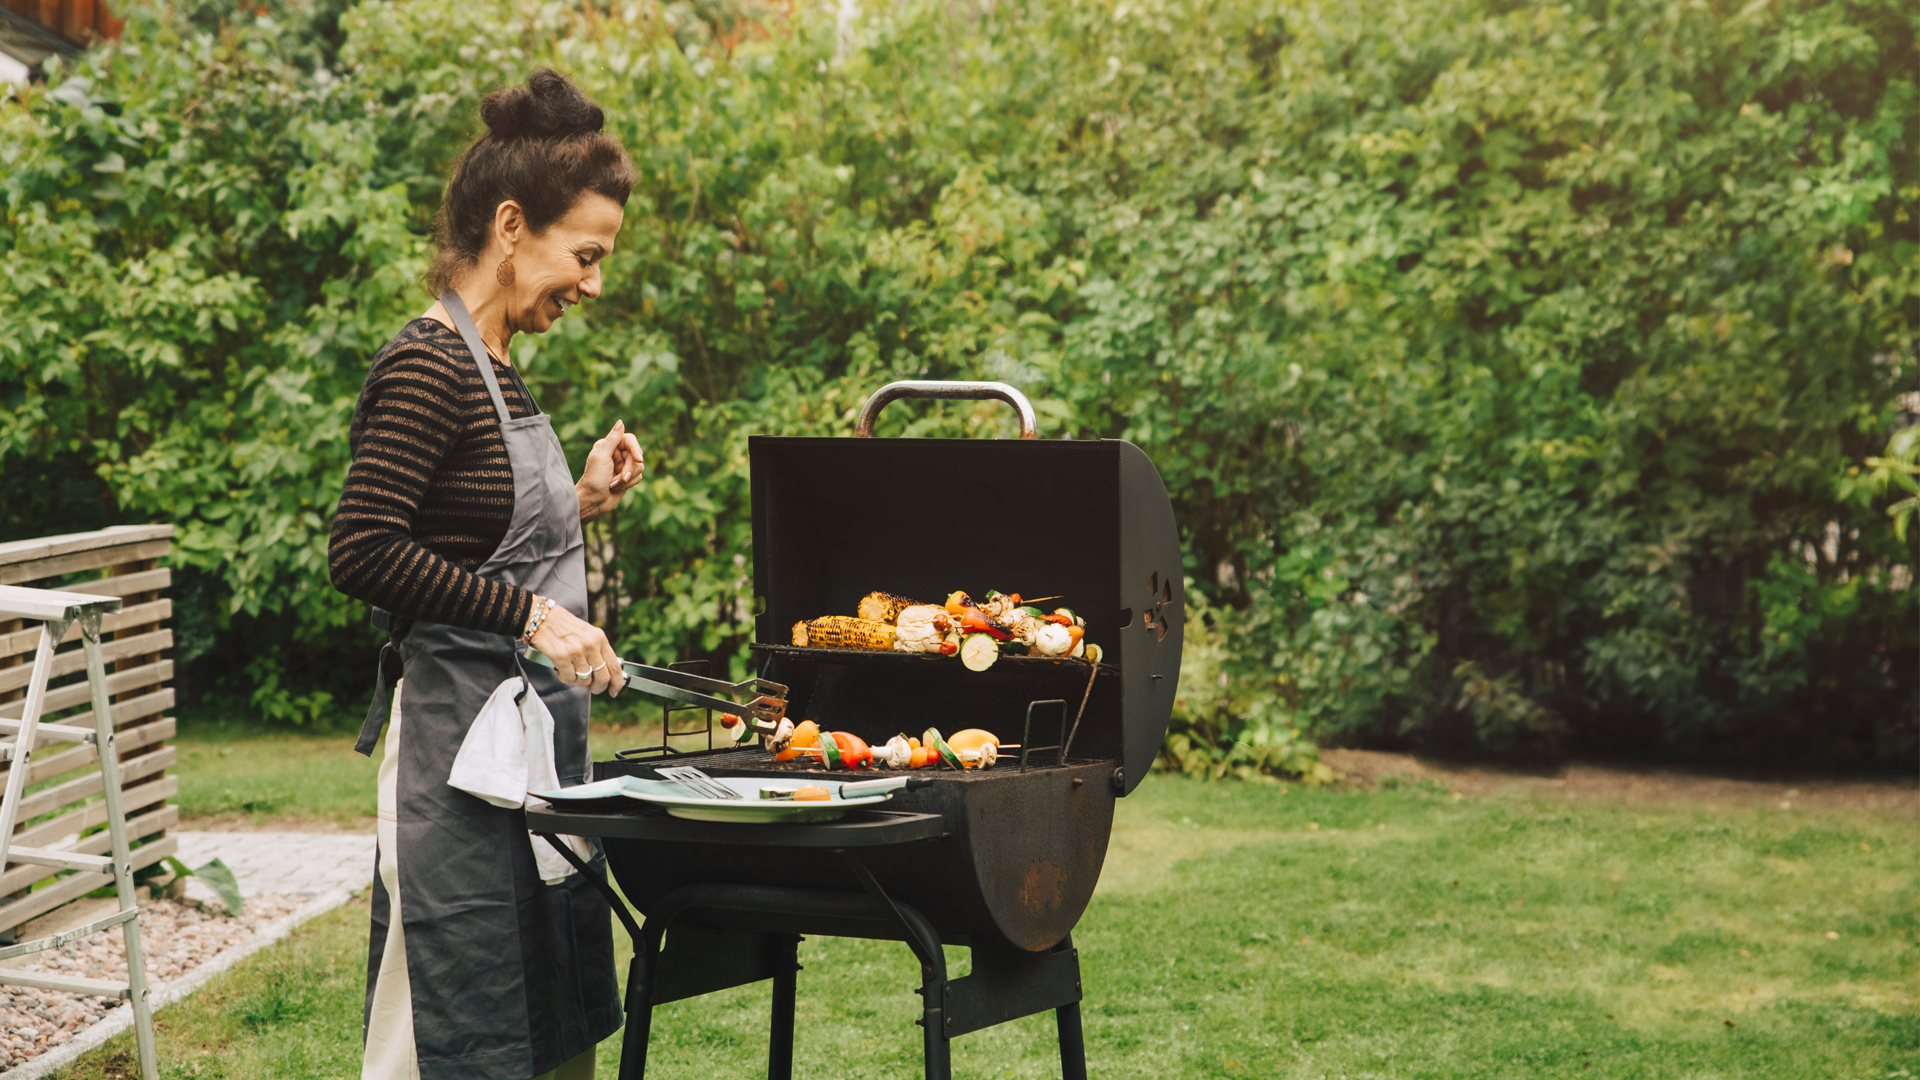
point(460, 523)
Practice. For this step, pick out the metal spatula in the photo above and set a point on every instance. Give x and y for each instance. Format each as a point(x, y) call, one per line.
point(698, 782)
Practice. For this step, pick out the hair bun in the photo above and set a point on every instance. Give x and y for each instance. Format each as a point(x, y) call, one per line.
point(548, 107)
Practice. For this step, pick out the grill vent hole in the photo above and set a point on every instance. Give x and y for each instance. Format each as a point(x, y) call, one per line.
point(1153, 583)
point(1126, 617)
point(1161, 627)
point(1166, 591)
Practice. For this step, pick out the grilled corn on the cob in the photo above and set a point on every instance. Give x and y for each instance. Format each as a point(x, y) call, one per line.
point(842, 632)
point(883, 607)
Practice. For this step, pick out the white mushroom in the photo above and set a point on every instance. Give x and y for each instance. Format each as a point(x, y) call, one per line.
point(781, 736)
point(982, 758)
point(899, 753)
point(1052, 639)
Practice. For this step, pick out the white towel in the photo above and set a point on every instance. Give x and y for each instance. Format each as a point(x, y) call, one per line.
point(507, 753)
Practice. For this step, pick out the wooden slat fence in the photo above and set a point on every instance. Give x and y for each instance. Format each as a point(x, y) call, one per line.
point(123, 561)
point(80, 21)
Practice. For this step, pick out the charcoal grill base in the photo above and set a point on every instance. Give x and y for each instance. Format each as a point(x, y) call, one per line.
point(1016, 860)
point(727, 935)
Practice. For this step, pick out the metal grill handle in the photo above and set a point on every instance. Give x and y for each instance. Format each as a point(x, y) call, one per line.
point(965, 391)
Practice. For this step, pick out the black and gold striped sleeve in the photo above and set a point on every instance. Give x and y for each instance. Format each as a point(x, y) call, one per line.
point(417, 414)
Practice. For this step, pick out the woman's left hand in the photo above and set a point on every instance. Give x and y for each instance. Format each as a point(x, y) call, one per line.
point(614, 466)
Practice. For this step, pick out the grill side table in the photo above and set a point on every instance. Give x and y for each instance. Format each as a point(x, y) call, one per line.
point(57, 612)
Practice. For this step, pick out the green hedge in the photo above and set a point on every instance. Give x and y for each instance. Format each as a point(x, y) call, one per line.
point(1513, 367)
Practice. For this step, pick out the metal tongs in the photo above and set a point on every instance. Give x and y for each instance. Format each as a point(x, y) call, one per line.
point(759, 701)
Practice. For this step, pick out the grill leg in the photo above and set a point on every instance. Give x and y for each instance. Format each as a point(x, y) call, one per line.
point(786, 983)
point(633, 1042)
point(925, 943)
point(1073, 1047)
point(933, 993)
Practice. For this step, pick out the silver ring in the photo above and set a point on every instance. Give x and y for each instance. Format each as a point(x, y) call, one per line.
point(597, 667)
point(583, 674)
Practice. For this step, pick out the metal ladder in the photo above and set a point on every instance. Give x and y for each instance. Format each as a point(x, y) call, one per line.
point(57, 612)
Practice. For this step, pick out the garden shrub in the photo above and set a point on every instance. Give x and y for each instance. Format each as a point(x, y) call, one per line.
point(1514, 368)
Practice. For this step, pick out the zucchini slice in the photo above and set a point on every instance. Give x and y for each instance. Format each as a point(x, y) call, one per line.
point(979, 651)
point(932, 741)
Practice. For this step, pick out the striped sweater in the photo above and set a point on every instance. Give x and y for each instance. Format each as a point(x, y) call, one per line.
point(429, 494)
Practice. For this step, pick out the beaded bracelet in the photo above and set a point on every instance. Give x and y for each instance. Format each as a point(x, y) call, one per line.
point(542, 607)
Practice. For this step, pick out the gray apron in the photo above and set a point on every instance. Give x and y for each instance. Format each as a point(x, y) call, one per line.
point(510, 977)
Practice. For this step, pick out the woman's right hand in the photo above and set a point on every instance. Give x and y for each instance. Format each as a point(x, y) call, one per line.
point(577, 646)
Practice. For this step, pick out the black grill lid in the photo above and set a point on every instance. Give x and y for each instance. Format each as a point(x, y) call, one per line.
point(834, 519)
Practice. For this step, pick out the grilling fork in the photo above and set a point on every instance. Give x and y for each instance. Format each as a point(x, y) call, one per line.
point(698, 782)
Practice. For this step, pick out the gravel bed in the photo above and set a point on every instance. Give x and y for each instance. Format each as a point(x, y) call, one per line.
point(179, 935)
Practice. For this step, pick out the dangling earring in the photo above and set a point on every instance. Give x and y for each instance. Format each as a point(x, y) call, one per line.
point(504, 272)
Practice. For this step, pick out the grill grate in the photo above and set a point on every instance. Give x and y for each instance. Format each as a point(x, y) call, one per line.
point(861, 657)
point(757, 760)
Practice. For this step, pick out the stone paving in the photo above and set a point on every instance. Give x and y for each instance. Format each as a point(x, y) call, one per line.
point(286, 878)
point(300, 864)
point(180, 937)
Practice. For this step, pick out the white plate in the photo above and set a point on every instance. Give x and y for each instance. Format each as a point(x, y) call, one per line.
point(683, 803)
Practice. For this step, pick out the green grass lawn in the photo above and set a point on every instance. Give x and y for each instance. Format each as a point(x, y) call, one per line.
point(236, 774)
point(1243, 932)
point(240, 774)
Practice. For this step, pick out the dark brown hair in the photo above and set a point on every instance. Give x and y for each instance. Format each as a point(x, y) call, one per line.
point(543, 149)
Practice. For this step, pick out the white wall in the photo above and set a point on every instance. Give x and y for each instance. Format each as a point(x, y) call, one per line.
point(12, 71)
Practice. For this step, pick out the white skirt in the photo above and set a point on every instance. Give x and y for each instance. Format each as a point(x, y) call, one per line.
point(390, 1050)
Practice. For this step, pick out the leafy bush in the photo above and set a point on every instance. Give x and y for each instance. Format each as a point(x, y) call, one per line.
point(1222, 727)
point(1512, 367)
point(1897, 471)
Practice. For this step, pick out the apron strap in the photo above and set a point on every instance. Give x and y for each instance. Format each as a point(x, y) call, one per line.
point(382, 705)
point(526, 681)
point(483, 359)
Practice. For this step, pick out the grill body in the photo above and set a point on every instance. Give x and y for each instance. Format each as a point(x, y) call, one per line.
point(1002, 860)
point(837, 518)
point(1018, 864)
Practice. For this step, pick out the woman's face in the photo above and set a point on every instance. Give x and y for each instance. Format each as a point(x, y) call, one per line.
point(555, 270)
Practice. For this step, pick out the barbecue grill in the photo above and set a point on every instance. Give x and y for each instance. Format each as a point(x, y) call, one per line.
point(1001, 860)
